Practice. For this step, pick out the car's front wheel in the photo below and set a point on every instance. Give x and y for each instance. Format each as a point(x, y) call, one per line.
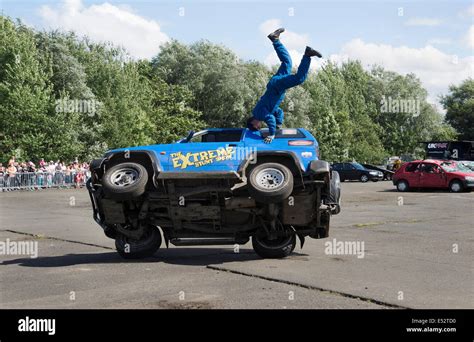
point(335, 192)
point(270, 182)
point(456, 186)
point(364, 178)
point(125, 181)
point(145, 246)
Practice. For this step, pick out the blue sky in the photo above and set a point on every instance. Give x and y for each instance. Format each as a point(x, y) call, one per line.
point(434, 39)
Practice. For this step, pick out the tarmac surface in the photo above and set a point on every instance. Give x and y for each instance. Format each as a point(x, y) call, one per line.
point(415, 254)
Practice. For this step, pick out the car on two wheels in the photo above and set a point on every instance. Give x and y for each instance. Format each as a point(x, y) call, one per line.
point(215, 187)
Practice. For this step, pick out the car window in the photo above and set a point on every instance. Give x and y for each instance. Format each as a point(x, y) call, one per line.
point(337, 167)
point(411, 167)
point(217, 136)
point(348, 166)
point(358, 166)
point(429, 168)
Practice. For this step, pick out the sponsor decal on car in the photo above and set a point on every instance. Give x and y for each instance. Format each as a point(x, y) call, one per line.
point(198, 159)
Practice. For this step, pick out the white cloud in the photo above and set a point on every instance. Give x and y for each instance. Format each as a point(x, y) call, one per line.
point(423, 22)
point(439, 41)
point(436, 69)
point(469, 38)
point(107, 23)
point(468, 12)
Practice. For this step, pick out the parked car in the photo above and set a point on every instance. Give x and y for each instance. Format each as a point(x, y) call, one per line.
point(431, 173)
point(355, 171)
point(387, 174)
point(215, 187)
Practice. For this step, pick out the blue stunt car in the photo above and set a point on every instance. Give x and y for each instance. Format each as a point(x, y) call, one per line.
point(215, 187)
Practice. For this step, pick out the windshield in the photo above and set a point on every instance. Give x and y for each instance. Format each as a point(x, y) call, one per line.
point(358, 166)
point(453, 167)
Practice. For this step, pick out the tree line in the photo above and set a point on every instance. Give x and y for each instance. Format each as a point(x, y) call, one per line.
point(66, 97)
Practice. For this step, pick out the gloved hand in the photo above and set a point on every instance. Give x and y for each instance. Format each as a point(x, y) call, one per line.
point(269, 139)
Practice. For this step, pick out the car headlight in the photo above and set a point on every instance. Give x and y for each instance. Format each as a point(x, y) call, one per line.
point(374, 173)
point(469, 178)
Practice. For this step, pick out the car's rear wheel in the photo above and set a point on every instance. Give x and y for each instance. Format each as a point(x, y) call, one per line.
point(270, 182)
point(402, 186)
point(125, 181)
point(456, 186)
point(145, 246)
point(279, 247)
point(364, 178)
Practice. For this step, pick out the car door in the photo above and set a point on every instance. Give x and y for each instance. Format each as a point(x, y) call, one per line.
point(412, 174)
point(432, 176)
point(207, 151)
point(342, 171)
point(351, 171)
point(338, 167)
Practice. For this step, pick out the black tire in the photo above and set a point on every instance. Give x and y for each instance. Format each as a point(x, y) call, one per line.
point(270, 182)
point(335, 192)
point(364, 178)
point(456, 186)
point(146, 246)
point(125, 181)
point(402, 186)
point(274, 249)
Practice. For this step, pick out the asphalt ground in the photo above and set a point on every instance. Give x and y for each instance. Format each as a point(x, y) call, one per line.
point(415, 251)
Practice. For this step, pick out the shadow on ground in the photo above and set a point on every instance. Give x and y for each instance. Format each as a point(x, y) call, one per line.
point(181, 256)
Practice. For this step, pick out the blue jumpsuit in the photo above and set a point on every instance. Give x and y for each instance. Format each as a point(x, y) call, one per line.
point(267, 108)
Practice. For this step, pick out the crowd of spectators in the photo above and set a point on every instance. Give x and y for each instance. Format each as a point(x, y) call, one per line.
point(28, 175)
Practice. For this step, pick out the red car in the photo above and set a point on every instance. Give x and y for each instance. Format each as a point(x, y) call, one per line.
point(444, 174)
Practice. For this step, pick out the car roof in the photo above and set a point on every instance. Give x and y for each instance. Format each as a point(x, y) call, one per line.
point(433, 161)
point(223, 129)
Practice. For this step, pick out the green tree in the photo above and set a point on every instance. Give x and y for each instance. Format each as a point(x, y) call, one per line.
point(25, 96)
point(459, 105)
point(221, 84)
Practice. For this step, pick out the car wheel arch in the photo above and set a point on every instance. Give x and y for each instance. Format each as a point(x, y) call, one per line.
point(285, 158)
point(146, 158)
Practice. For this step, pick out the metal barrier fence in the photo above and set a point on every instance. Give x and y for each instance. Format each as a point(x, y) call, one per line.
point(43, 180)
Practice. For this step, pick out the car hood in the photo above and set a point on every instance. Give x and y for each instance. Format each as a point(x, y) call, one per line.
point(462, 174)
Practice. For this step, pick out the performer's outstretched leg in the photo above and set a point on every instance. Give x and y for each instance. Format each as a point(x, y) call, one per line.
point(282, 53)
point(290, 81)
point(285, 58)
